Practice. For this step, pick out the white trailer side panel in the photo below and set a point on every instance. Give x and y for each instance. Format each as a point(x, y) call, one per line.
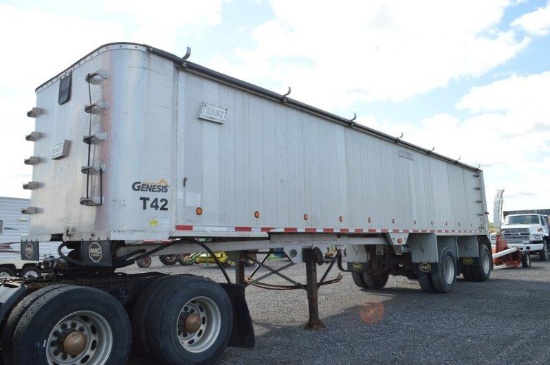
point(270, 166)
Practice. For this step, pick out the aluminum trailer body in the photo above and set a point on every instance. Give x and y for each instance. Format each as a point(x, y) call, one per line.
point(136, 149)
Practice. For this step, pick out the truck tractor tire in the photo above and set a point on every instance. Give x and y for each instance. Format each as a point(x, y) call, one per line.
point(6, 272)
point(73, 324)
point(168, 259)
point(543, 254)
point(525, 259)
point(15, 316)
point(30, 272)
point(199, 309)
point(144, 262)
point(482, 270)
point(140, 314)
point(444, 278)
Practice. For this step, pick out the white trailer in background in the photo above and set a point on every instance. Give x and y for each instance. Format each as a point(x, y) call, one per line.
point(140, 152)
point(14, 224)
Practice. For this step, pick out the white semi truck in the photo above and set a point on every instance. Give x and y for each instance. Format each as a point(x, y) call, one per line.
point(529, 232)
point(140, 152)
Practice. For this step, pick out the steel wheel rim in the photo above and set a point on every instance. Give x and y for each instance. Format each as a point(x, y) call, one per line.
point(210, 319)
point(4, 275)
point(448, 270)
point(92, 325)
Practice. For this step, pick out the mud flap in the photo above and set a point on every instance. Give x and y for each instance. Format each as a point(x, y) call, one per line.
point(469, 261)
point(425, 268)
point(242, 334)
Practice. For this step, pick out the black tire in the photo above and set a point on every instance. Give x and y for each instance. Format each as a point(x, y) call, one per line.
point(525, 259)
point(30, 272)
point(466, 271)
point(370, 281)
point(140, 316)
point(188, 296)
point(444, 278)
point(96, 318)
point(144, 262)
point(543, 254)
point(168, 259)
point(377, 282)
point(426, 283)
point(482, 270)
point(15, 316)
point(359, 279)
point(6, 272)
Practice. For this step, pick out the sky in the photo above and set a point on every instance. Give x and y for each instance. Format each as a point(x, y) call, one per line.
point(469, 78)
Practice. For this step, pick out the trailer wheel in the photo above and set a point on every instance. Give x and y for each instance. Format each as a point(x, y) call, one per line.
point(543, 254)
point(377, 282)
point(370, 281)
point(426, 283)
point(525, 259)
point(190, 321)
point(140, 315)
point(168, 259)
point(15, 316)
point(482, 270)
point(144, 262)
point(466, 271)
point(73, 324)
point(444, 278)
point(359, 279)
point(30, 272)
point(6, 272)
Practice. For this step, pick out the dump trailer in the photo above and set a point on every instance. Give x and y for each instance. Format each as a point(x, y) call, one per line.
point(140, 152)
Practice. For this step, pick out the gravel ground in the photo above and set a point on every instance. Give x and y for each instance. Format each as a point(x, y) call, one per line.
point(502, 321)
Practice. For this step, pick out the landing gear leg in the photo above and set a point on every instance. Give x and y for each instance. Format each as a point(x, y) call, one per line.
point(311, 259)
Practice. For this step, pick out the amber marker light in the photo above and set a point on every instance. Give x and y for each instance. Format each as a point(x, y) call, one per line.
point(257, 214)
point(199, 211)
point(306, 217)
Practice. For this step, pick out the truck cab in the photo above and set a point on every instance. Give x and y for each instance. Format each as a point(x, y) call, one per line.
point(528, 232)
